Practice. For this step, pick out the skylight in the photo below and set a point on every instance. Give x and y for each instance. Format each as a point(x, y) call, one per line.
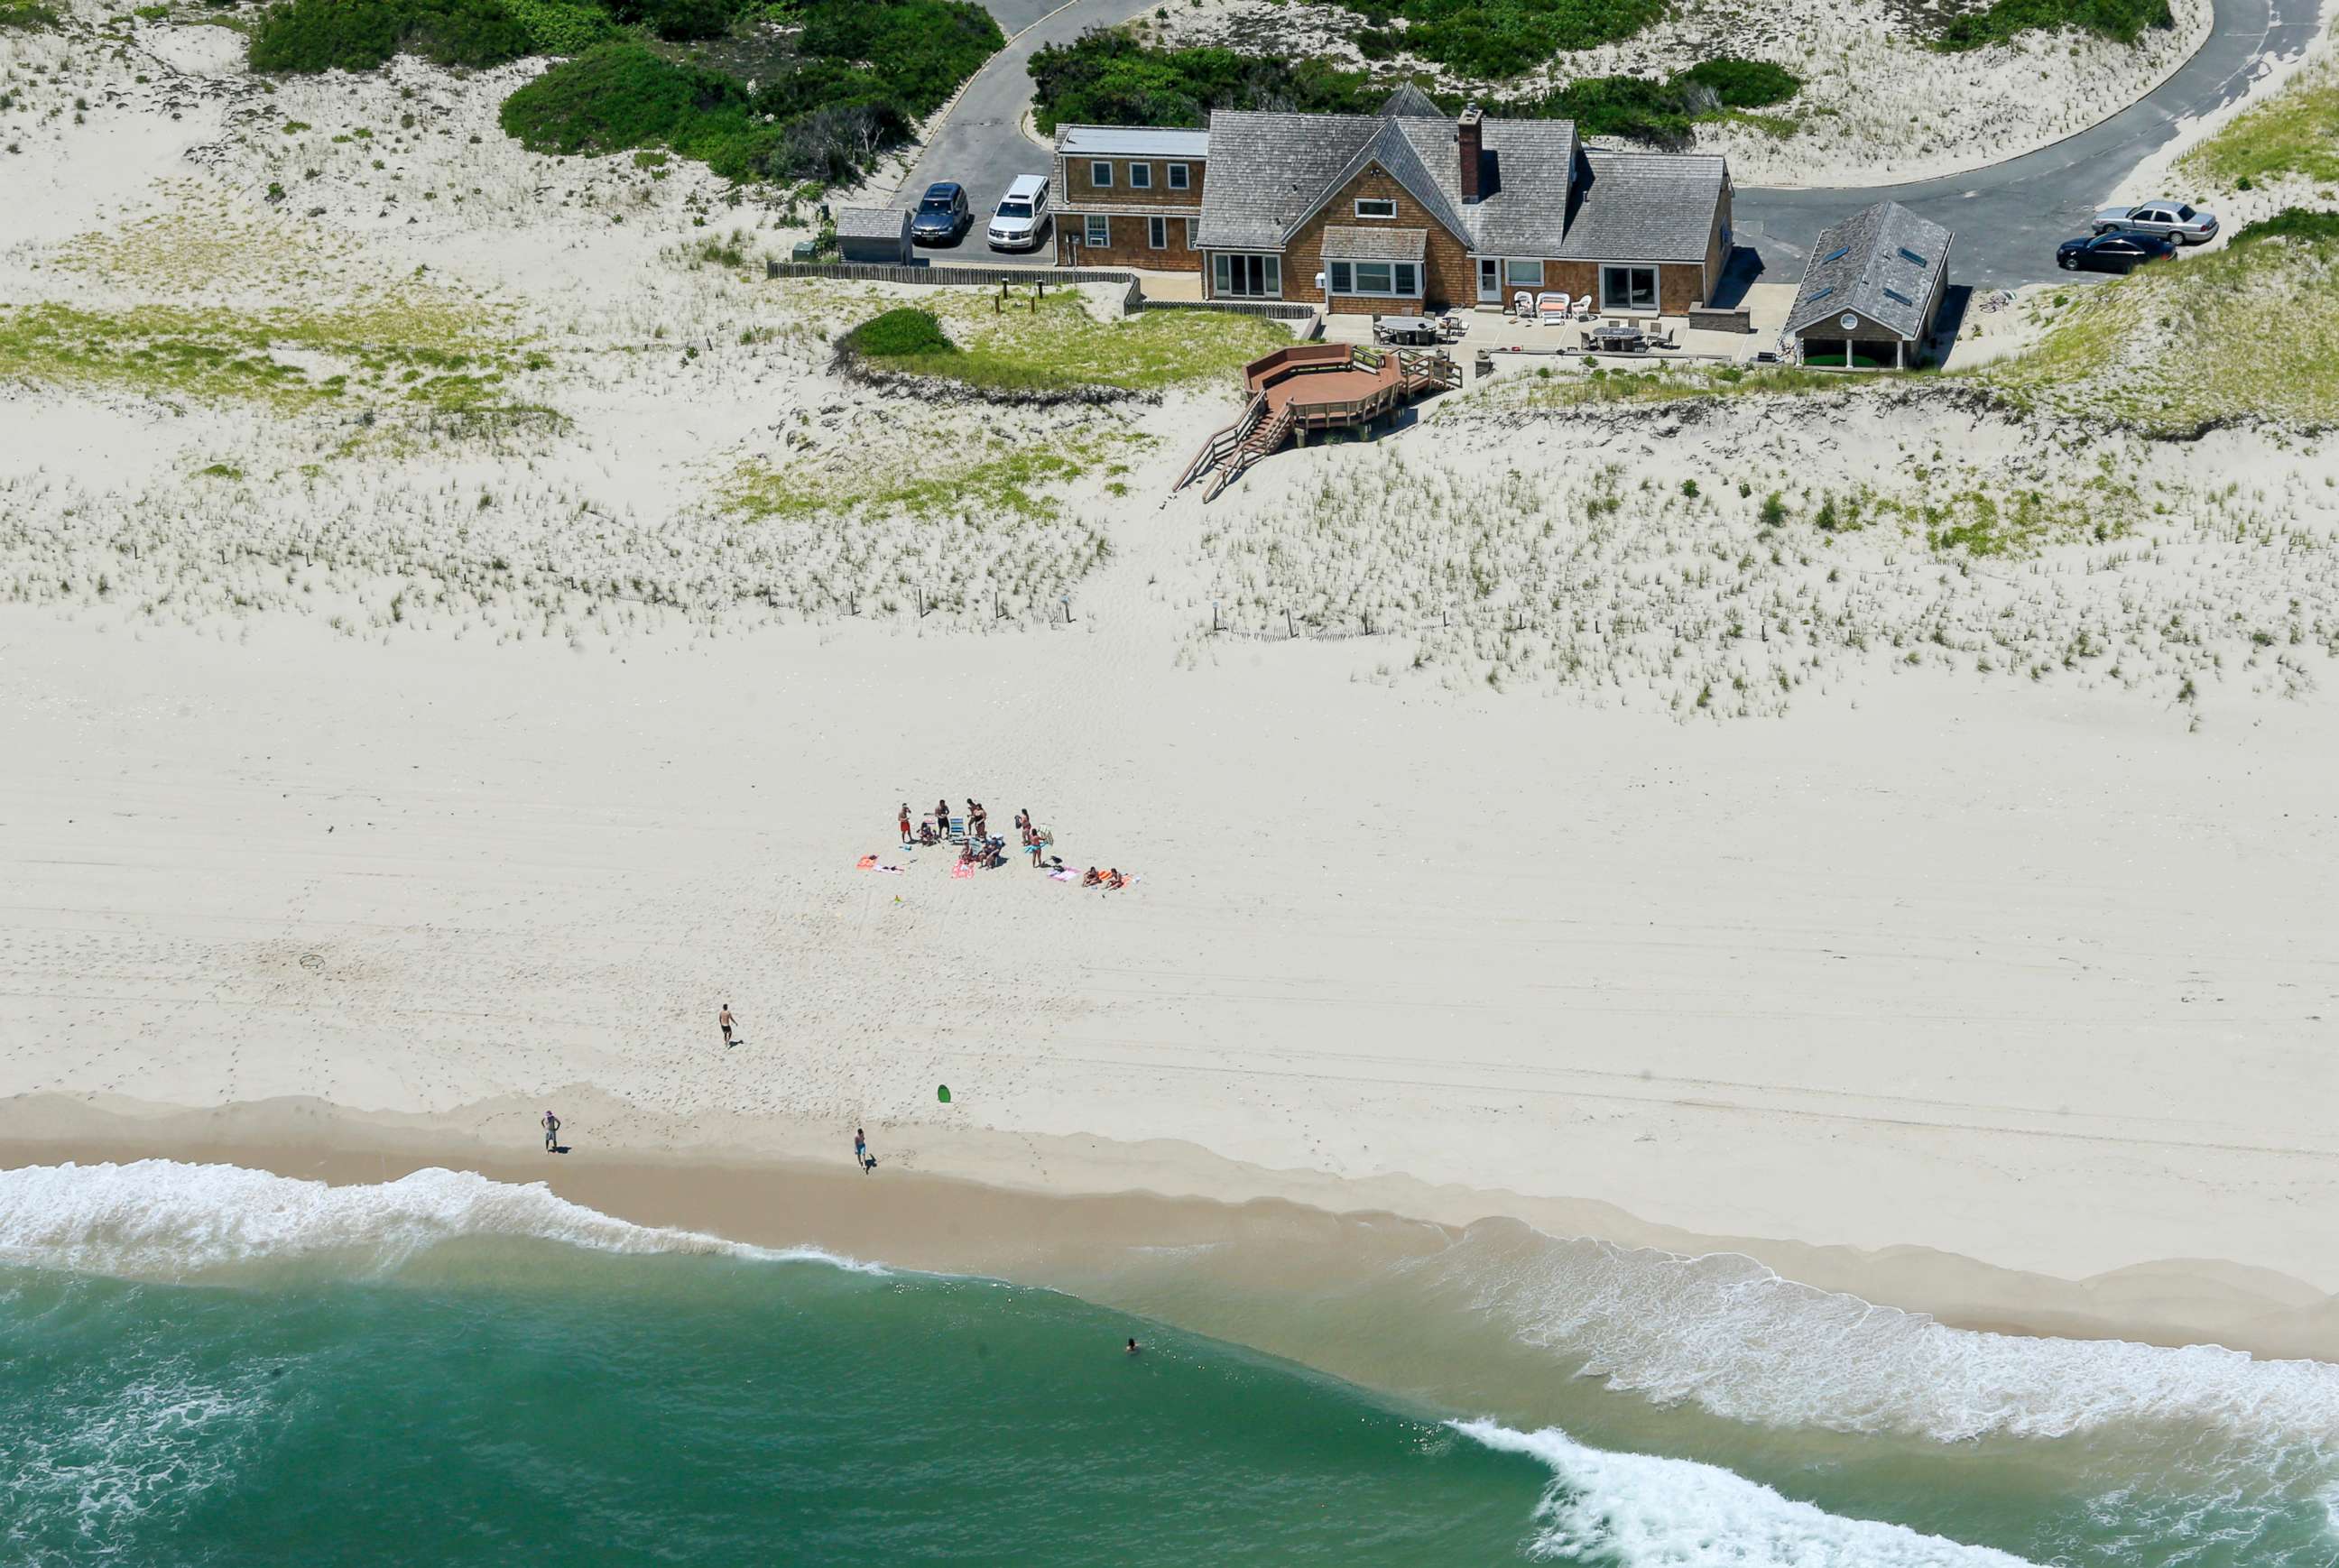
point(1896, 294)
point(1908, 255)
point(1838, 254)
point(1823, 293)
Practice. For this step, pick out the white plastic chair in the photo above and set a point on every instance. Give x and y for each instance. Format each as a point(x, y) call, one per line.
point(1522, 304)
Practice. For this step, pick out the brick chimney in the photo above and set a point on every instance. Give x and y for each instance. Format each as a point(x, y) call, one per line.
point(1474, 152)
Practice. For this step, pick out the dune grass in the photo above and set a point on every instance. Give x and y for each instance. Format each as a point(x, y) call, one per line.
point(2247, 333)
point(2294, 133)
point(421, 353)
point(1009, 478)
point(1563, 389)
point(1060, 345)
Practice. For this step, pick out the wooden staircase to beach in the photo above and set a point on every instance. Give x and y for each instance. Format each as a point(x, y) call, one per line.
point(1255, 433)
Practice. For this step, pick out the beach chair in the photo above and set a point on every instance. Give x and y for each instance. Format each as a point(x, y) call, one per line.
point(957, 834)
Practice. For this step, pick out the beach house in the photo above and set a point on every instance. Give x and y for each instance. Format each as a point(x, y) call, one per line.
point(1407, 209)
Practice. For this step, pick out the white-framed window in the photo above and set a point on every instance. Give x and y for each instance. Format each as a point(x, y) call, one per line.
point(1376, 206)
point(1157, 233)
point(1100, 233)
point(1628, 287)
point(1101, 174)
point(1140, 177)
point(1240, 276)
point(1189, 234)
point(1384, 279)
point(1179, 179)
point(1522, 273)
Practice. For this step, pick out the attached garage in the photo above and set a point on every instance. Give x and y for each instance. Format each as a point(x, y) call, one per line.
point(1872, 291)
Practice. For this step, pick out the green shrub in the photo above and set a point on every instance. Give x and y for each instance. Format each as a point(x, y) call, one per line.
point(618, 95)
point(2290, 223)
point(1742, 83)
point(26, 16)
point(307, 35)
point(1498, 38)
point(2124, 20)
point(561, 27)
point(1106, 77)
point(899, 333)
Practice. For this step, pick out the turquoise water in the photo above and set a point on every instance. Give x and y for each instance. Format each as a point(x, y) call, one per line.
point(424, 1373)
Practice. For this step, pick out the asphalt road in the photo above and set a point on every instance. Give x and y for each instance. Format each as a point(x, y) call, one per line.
point(2008, 217)
point(982, 146)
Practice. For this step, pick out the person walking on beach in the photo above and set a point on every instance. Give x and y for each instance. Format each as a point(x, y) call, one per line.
point(905, 824)
point(551, 1133)
point(725, 1019)
point(860, 1152)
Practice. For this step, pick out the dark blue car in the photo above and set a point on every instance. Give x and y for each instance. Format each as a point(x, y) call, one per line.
point(2114, 251)
point(943, 214)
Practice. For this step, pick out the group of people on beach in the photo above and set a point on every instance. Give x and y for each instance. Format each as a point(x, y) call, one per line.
point(981, 849)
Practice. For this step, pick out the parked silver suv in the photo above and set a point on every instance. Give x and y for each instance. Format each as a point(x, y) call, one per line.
point(2170, 220)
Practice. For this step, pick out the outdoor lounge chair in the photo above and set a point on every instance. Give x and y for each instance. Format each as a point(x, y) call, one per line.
point(957, 829)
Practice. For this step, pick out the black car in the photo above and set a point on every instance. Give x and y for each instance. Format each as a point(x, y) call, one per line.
point(2114, 251)
point(943, 214)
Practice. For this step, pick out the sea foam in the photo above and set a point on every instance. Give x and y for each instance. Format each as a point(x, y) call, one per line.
point(165, 1218)
point(1635, 1509)
point(1741, 1342)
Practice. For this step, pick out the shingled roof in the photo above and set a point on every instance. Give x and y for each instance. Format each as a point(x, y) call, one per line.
point(1646, 207)
point(1884, 262)
point(1410, 103)
point(1270, 172)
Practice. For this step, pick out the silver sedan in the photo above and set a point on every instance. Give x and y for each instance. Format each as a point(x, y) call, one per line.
point(2174, 221)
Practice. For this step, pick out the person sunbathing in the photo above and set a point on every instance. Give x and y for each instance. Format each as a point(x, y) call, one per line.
point(1092, 879)
point(1113, 879)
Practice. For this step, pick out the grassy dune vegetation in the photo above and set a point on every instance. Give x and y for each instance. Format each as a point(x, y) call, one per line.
point(2296, 132)
point(2249, 332)
point(421, 354)
point(814, 89)
point(967, 338)
point(1106, 77)
point(2004, 20)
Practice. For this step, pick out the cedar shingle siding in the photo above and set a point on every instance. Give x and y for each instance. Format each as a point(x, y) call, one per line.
point(1277, 182)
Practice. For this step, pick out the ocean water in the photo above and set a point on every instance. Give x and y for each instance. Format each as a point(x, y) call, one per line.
point(200, 1365)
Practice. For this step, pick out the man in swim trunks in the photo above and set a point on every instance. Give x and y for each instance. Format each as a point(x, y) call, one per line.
point(551, 1133)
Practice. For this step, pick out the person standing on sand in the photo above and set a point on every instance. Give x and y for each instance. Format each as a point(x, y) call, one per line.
point(905, 824)
point(860, 1152)
point(551, 1133)
point(725, 1019)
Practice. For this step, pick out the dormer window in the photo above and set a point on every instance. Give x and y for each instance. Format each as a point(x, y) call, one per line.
point(1375, 207)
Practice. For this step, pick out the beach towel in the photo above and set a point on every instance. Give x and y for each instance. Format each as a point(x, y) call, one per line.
point(964, 868)
point(1064, 876)
point(866, 862)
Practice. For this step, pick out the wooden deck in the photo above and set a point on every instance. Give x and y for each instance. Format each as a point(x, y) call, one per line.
point(1315, 387)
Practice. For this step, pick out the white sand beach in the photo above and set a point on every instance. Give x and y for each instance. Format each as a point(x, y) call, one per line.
point(1953, 927)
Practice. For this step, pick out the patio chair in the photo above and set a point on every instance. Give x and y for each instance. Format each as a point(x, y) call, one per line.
point(1551, 309)
point(1451, 326)
point(1583, 307)
point(1523, 305)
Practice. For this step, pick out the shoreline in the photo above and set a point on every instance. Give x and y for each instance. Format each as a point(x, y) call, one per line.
point(930, 1214)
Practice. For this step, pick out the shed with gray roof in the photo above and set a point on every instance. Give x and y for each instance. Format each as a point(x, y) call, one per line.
point(880, 235)
point(1873, 288)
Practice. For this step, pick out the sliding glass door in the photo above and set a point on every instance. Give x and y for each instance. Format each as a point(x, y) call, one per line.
point(1246, 277)
point(1628, 287)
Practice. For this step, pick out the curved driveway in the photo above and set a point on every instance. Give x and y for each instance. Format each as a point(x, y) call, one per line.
point(2008, 216)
